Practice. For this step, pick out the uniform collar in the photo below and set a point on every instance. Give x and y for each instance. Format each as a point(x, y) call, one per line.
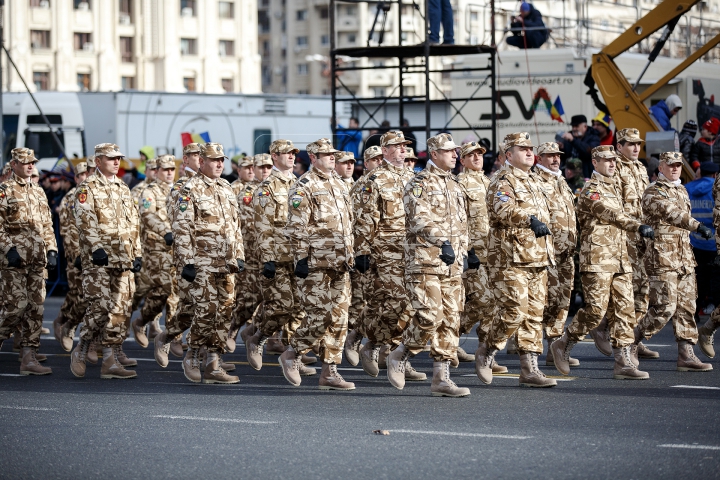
point(602, 178)
point(391, 167)
point(432, 168)
point(321, 174)
point(18, 180)
point(105, 180)
point(277, 173)
point(474, 173)
point(207, 180)
point(546, 171)
point(667, 182)
point(518, 172)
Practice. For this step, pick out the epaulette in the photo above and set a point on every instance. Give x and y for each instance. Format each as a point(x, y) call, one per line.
point(372, 177)
point(303, 180)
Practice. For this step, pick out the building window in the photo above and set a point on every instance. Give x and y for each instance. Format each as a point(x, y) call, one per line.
point(351, 11)
point(39, 39)
point(41, 80)
point(303, 92)
point(187, 8)
point(227, 85)
point(324, 13)
point(83, 41)
point(81, 4)
point(227, 48)
point(378, 91)
point(40, 3)
point(188, 46)
point(126, 49)
point(302, 69)
point(128, 83)
point(324, 40)
point(301, 42)
point(302, 15)
point(125, 14)
point(83, 82)
point(189, 84)
point(226, 9)
point(351, 39)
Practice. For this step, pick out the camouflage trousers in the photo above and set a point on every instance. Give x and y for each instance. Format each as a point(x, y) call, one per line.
point(479, 303)
point(325, 296)
point(22, 293)
point(561, 278)
point(247, 293)
point(365, 317)
point(672, 297)
point(108, 295)
point(73, 307)
point(157, 285)
point(715, 316)
point(520, 294)
point(358, 302)
point(142, 285)
point(636, 251)
point(388, 309)
point(282, 307)
point(213, 295)
point(436, 305)
point(176, 324)
point(608, 295)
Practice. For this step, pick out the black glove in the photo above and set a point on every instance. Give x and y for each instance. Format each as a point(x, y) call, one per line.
point(704, 232)
point(646, 231)
point(447, 254)
point(78, 263)
point(716, 262)
point(473, 260)
point(137, 265)
point(168, 239)
point(241, 265)
point(100, 258)
point(51, 260)
point(301, 269)
point(189, 273)
point(466, 266)
point(362, 263)
point(269, 270)
point(14, 260)
point(538, 227)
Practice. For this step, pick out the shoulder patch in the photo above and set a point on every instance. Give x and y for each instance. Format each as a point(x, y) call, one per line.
point(82, 195)
point(417, 189)
point(297, 198)
point(248, 196)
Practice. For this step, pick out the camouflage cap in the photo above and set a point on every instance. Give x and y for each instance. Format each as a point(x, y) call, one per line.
point(7, 169)
point(671, 158)
point(574, 164)
point(604, 151)
point(191, 148)
point(519, 139)
point(342, 157)
point(470, 147)
point(109, 150)
point(91, 161)
point(263, 159)
point(442, 141)
point(321, 146)
point(501, 148)
point(81, 167)
point(410, 153)
point(372, 152)
point(23, 155)
point(283, 146)
point(548, 148)
point(246, 161)
point(166, 161)
point(151, 163)
point(630, 135)
point(393, 137)
point(212, 150)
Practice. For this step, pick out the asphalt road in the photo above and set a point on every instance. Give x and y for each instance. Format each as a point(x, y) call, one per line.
point(162, 426)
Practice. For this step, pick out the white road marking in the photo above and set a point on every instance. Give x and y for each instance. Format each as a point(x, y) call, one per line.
point(18, 407)
point(461, 434)
point(11, 375)
point(517, 375)
point(350, 369)
point(699, 387)
point(206, 419)
point(692, 447)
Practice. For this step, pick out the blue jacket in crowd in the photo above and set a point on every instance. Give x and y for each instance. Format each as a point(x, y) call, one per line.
point(701, 203)
point(661, 112)
point(349, 141)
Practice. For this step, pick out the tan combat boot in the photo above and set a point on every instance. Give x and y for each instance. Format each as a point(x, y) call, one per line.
point(247, 332)
point(352, 347)
point(530, 374)
point(275, 346)
point(30, 365)
point(67, 335)
point(624, 368)
point(306, 371)
point(290, 363)
point(57, 328)
point(92, 354)
point(124, 360)
point(601, 337)
point(550, 361)
point(191, 365)
point(512, 345)
point(176, 347)
point(382, 357)
point(645, 352)
point(442, 386)
point(77, 358)
point(412, 375)
point(138, 328)
point(497, 368)
point(162, 348)
point(111, 366)
point(687, 361)
point(706, 339)
point(308, 359)
point(231, 342)
point(154, 329)
point(463, 356)
point(396, 363)
point(369, 354)
point(559, 350)
point(214, 373)
point(484, 358)
point(254, 349)
point(330, 379)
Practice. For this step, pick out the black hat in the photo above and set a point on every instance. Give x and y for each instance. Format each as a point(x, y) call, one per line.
point(690, 127)
point(577, 120)
point(707, 167)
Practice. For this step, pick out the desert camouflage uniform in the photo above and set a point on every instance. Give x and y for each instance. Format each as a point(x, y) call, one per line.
point(320, 230)
point(435, 210)
point(26, 224)
point(208, 235)
point(143, 282)
point(247, 283)
point(669, 261)
point(715, 315)
point(73, 307)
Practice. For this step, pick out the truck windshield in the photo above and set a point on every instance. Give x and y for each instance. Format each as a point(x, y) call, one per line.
point(43, 143)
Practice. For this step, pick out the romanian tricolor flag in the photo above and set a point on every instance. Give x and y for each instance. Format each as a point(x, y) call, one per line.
point(195, 138)
point(557, 110)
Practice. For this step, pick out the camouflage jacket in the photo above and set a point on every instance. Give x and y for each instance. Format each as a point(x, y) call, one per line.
point(68, 228)
point(380, 225)
point(238, 186)
point(435, 212)
point(320, 221)
point(206, 226)
point(171, 200)
point(25, 222)
point(271, 215)
point(666, 207)
point(632, 180)
point(475, 185)
point(154, 220)
point(513, 196)
point(561, 200)
point(106, 218)
point(716, 210)
point(604, 226)
point(247, 220)
point(137, 191)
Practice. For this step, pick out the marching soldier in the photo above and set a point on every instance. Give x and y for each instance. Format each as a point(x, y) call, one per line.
point(107, 222)
point(707, 331)
point(345, 166)
point(150, 170)
point(435, 255)
point(319, 228)
point(27, 242)
point(246, 174)
point(518, 256)
point(670, 262)
point(606, 271)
